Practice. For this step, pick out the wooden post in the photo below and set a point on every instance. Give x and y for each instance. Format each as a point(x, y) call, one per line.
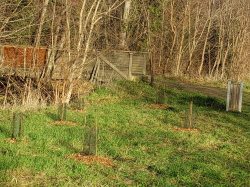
point(96, 137)
point(234, 96)
point(190, 116)
point(241, 95)
point(130, 66)
point(228, 94)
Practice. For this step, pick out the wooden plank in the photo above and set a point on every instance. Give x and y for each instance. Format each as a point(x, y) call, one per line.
point(241, 95)
point(94, 72)
point(97, 71)
point(112, 66)
point(234, 96)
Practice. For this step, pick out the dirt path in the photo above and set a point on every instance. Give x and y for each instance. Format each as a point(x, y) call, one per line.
point(216, 92)
point(206, 90)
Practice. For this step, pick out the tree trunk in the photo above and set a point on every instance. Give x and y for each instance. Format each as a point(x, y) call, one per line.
point(40, 27)
point(123, 37)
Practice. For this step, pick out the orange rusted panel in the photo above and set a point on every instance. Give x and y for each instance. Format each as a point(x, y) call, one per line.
point(13, 56)
point(22, 57)
point(41, 57)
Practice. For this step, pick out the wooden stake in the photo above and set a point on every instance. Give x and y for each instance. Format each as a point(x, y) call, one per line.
point(96, 138)
point(241, 95)
point(190, 114)
point(228, 94)
point(130, 66)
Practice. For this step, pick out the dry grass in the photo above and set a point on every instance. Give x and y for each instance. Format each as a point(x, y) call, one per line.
point(89, 160)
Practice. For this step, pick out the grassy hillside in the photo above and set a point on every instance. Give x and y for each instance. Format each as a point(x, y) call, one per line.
point(141, 140)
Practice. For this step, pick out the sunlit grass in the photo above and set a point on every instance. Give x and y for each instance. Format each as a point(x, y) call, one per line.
point(142, 142)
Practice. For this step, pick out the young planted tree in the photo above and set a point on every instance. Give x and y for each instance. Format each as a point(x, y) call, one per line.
point(90, 144)
point(17, 125)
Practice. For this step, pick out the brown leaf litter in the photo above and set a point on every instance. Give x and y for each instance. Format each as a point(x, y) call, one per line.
point(186, 129)
point(91, 159)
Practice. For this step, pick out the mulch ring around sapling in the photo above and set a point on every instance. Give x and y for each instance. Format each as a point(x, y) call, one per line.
point(186, 129)
point(159, 106)
point(64, 123)
point(14, 140)
point(11, 140)
point(92, 159)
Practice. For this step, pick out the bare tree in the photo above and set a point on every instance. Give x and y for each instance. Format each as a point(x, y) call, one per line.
point(125, 18)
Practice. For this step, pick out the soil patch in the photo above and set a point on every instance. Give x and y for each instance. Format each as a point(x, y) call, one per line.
point(89, 160)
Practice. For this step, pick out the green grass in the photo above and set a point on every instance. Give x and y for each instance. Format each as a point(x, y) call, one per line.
point(141, 141)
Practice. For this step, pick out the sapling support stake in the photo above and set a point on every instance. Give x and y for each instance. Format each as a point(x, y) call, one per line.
point(160, 96)
point(80, 103)
point(17, 125)
point(190, 116)
point(90, 136)
point(188, 123)
point(62, 111)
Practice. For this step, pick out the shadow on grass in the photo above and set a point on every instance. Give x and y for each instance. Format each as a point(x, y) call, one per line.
point(184, 98)
point(6, 131)
point(144, 92)
point(241, 120)
point(52, 116)
point(211, 102)
point(69, 146)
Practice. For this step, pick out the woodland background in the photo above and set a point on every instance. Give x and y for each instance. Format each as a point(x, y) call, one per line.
point(198, 39)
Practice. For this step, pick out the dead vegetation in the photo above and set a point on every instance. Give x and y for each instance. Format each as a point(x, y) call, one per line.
point(197, 39)
point(89, 160)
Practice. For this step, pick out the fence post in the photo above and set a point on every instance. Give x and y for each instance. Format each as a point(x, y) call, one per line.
point(130, 66)
point(241, 94)
point(228, 94)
